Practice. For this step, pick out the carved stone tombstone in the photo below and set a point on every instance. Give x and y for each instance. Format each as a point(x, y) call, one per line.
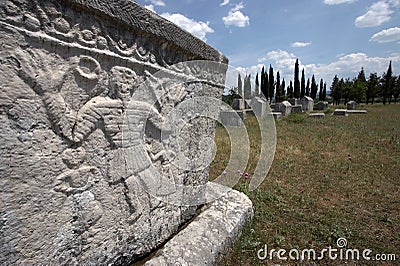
point(307, 104)
point(72, 108)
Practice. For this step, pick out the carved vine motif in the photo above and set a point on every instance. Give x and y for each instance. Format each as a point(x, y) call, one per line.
point(52, 19)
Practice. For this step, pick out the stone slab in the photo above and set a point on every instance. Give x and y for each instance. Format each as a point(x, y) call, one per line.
point(231, 118)
point(307, 103)
point(209, 235)
point(276, 115)
point(357, 111)
point(259, 106)
point(351, 105)
point(316, 115)
point(340, 112)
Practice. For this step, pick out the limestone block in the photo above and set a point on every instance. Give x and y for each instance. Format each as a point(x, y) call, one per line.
point(83, 164)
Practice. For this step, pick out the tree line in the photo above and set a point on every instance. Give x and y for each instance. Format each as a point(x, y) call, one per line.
point(359, 89)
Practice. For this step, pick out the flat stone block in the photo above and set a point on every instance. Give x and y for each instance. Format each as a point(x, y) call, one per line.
point(238, 104)
point(231, 118)
point(340, 112)
point(357, 111)
point(317, 115)
point(209, 234)
point(276, 115)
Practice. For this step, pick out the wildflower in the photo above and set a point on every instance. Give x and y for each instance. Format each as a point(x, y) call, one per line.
point(246, 175)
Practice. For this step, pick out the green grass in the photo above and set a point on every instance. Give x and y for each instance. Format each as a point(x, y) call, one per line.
point(332, 177)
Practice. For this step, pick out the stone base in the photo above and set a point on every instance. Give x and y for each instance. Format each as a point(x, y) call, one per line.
point(298, 109)
point(209, 235)
point(340, 112)
point(317, 115)
point(356, 111)
point(276, 115)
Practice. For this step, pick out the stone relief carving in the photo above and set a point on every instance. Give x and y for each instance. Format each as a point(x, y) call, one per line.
point(91, 147)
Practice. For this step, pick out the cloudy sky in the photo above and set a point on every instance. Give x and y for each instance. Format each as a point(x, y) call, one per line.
point(328, 36)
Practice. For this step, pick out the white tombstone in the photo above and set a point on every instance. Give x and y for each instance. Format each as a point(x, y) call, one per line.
point(284, 107)
point(238, 104)
point(307, 103)
point(351, 105)
point(259, 106)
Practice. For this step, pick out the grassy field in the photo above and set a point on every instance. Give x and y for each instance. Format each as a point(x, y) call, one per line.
point(336, 177)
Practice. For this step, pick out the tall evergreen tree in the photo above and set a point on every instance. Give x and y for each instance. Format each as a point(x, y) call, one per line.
point(314, 88)
point(324, 92)
point(278, 96)
point(302, 85)
point(387, 84)
point(264, 83)
point(271, 83)
point(359, 89)
point(290, 90)
point(372, 88)
point(335, 90)
point(257, 88)
point(308, 87)
point(240, 86)
point(296, 92)
point(321, 88)
point(247, 87)
point(283, 86)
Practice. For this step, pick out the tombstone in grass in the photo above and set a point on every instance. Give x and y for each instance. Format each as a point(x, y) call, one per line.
point(294, 101)
point(80, 155)
point(316, 115)
point(340, 112)
point(284, 107)
point(321, 106)
point(307, 103)
point(298, 109)
point(259, 106)
point(238, 104)
point(351, 105)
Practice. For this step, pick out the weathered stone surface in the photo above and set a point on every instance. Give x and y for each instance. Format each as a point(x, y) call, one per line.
point(209, 234)
point(258, 106)
point(298, 109)
point(231, 118)
point(307, 103)
point(321, 106)
point(316, 115)
point(80, 136)
point(340, 112)
point(284, 107)
point(351, 105)
point(238, 104)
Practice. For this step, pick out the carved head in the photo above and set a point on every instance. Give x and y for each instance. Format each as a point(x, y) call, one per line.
point(73, 158)
point(122, 82)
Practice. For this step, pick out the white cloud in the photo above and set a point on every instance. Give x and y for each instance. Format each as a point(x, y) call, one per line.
point(157, 2)
point(225, 2)
point(345, 66)
point(236, 18)
point(389, 35)
point(338, 2)
point(150, 7)
point(197, 28)
point(300, 44)
point(376, 15)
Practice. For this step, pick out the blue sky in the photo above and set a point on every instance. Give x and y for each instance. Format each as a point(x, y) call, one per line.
point(328, 36)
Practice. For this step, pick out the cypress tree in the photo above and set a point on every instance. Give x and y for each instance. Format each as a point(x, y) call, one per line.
point(387, 84)
point(278, 95)
point(271, 84)
point(257, 88)
point(290, 90)
point(314, 88)
point(308, 87)
point(240, 86)
point(283, 92)
point(303, 84)
point(372, 87)
point(296, 92)
point(324, 93)
point(321, 88)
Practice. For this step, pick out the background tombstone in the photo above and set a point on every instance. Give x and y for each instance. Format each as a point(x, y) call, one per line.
point(258, 106)
point(238, 104)
point(298, 109)
point(284, 107)
point(307, 103)
point(351, 105)
point(321, 106)
point(70, 72)
point(294, 101)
